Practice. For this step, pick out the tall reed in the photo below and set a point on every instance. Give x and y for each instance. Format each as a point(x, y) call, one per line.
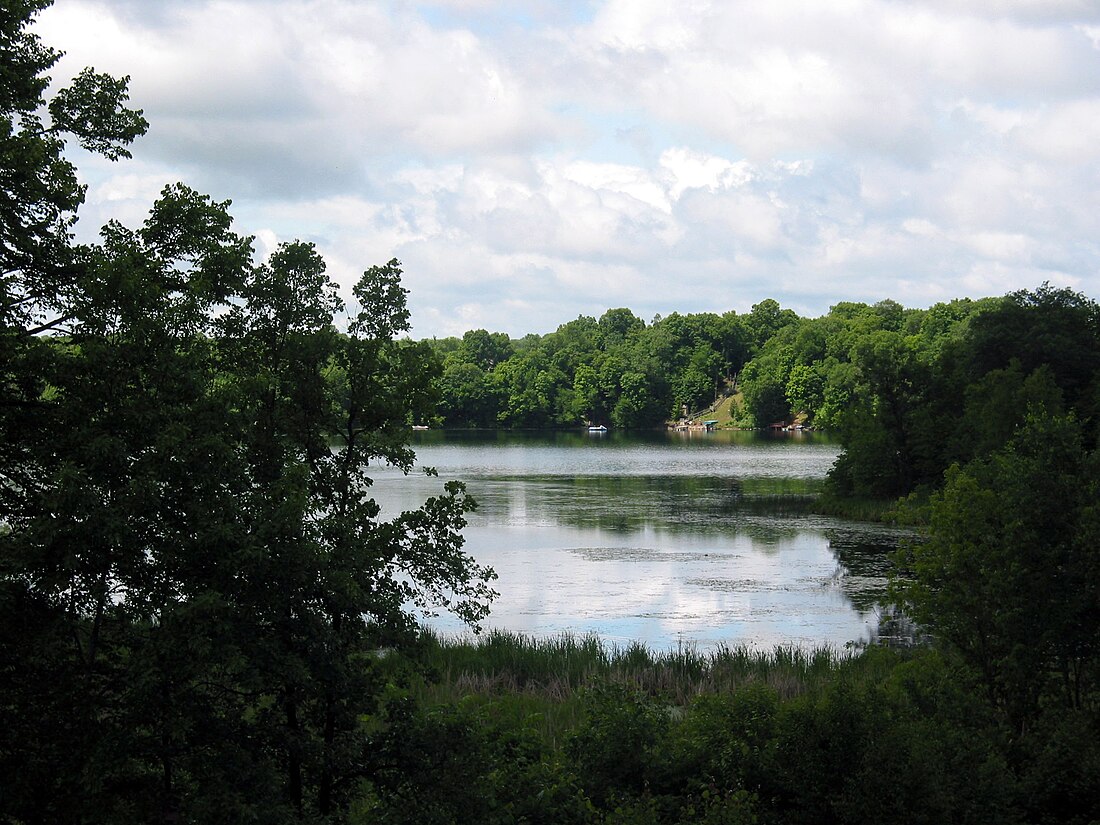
point(538, 684)
point(557, 667)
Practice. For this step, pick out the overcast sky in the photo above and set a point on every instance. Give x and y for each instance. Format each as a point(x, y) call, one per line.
point(529, 162)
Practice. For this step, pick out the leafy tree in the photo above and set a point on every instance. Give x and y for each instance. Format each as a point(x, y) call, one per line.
point(764, 381)
point(839, 386)
point(617, 325)
point(698, 384)
point(893, 436)
point(199, 570)
point(587, 405)
point(891, 315)
point(469, 397)
point(1006, 577)
point(335, 577)
point(997, 405)
point(1057, 328)
point(42, 273)
point(119, 537)
point(766, 319)
point(805, 388)
point(39, 192)
point(485, 349)
point(528, 404)
point(212, 561)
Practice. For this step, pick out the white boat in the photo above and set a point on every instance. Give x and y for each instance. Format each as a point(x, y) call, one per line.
point(600, 428)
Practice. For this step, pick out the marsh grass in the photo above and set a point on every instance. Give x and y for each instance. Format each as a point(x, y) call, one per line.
point(539, 684)
point(857, 509)
point(782, 504)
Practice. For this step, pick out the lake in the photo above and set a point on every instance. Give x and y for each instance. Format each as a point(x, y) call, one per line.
point(664, 538)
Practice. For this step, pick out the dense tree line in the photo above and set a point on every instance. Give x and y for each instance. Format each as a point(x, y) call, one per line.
point(613, 370)
point(908, 391)
point(618, 370)
point(939, 386)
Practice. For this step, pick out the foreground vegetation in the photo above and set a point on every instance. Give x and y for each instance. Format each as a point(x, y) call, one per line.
point(566, 730)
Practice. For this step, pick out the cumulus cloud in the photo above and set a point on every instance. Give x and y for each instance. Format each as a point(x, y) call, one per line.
point(532, 161)
point(300, 96)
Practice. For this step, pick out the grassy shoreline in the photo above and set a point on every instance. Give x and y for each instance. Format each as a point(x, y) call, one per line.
point(513, 729)
point(540, 683)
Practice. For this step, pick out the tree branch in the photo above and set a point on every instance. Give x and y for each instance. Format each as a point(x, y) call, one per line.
point(30, 333)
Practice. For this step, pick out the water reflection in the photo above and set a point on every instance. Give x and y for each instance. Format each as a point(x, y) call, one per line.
point(629, 502)
point(662, 539)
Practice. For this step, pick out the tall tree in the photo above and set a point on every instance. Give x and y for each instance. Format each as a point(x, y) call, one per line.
point(41, 271)
point(1007, 576)
point(192, 572)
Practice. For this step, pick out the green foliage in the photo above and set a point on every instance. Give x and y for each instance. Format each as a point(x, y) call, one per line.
point(457, 764)
point(621, 746)
point(892, 382)
point(40, 190)
point(724, 739)
point(805, 388)
point(198, 539)
point(766, 319)
point(428, 768)
point(763, 388)
point(469, 397)
point(997, 405)
point(1055, 328)
point(616, 325)
point(1059, 761)
point(192, 572)
point(1007, 574)
point(615, 371)
point(875, 736)
point(91, 110)
point(958, 387)
point(485, 349)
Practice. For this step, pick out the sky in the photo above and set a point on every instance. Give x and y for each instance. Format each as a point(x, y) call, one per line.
point(532, 161)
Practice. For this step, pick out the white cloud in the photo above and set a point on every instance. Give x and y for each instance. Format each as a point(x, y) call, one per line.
point(631, 181)
point(921, 227)
point(1092, 33)
point(298, 95)
point(1065, 133)
point(695, 170)
point(1030, 11)
point(535, 160)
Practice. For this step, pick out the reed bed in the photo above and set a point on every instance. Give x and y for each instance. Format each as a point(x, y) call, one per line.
point(556, 668)
point(858, 509)
point(539, 684)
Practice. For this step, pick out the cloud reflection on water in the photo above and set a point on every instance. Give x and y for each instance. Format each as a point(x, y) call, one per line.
point(657, 546)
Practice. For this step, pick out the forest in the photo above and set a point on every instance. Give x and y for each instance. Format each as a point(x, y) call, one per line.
point(205, 617)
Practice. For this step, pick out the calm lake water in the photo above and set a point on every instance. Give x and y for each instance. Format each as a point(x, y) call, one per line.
point(662, 538)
